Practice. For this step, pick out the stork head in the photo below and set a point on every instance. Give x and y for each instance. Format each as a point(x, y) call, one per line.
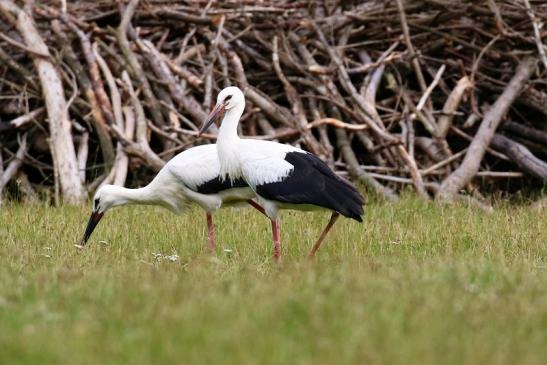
point(230, 98)
point(105, 198)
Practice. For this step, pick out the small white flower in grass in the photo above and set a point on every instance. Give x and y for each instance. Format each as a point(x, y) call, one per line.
point(47, 254)
point(174, 257)
point(228, 252)
point(159, 256)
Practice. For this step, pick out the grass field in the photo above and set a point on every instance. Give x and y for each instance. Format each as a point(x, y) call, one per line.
point(417, 283)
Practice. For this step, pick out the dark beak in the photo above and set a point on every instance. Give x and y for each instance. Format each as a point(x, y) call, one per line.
point(216, 114)
point(91, 224)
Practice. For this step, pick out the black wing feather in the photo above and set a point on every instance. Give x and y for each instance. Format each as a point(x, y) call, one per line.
point(217, 185)
point(313, 182)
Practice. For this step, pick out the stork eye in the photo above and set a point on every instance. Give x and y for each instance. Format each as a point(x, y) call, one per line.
point(96, 202)
point(227, 98)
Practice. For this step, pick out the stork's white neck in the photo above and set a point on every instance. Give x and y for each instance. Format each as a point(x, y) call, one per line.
point(160, 192)
point(228, 141)
point(122, 196)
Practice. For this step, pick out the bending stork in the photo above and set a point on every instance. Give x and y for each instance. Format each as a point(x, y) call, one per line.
point(190, 177)
point(282, 176)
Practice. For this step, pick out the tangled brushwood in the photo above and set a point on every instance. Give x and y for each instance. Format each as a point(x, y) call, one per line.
point(446, 97)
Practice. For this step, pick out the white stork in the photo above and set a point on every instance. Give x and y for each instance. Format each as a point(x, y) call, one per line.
point(282, 176)
point(192, 176)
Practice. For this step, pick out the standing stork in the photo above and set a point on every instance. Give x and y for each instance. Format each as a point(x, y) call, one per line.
point(192, 176)
point(282, 176)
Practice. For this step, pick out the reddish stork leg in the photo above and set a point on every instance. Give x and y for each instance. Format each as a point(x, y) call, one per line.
point(257, 206)
point(276, 230)
point(210, 233)
point(315, 247)
point(276, 236)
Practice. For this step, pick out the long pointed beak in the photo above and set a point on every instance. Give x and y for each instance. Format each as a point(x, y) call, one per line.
point(215, 115)
point(91, 224)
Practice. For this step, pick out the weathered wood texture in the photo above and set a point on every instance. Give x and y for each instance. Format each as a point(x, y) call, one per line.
point(435, 96)
point(62, 147)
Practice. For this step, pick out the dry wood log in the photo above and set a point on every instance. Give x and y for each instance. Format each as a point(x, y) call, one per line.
point(297, 105)
point(9, 172)
point(82, 153)
point(526, 132)
point(99, 122)
point(26, 118)
point(163, 72)
point(17, 67)
point(470, 165)
point(450, 106)
point(140, 147)
point(135, 68)
point(118, 172)
point(521, 156)
point(395, 86)
point(62, 147)
point(355, 170)
point(93, 69)
point(537, 36)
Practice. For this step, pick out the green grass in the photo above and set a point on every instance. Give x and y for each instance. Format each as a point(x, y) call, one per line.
point(417, 283)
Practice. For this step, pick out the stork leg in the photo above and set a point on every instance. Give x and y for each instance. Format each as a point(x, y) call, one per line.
point(257, 206)
point(276, 230)
point(326, 230)
point(210, 233)
point(276, 236)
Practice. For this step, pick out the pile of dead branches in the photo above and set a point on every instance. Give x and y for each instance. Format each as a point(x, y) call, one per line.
point(443, 96)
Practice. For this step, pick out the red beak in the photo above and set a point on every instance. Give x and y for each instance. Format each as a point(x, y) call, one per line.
point(216, 114)
point(91, 224)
